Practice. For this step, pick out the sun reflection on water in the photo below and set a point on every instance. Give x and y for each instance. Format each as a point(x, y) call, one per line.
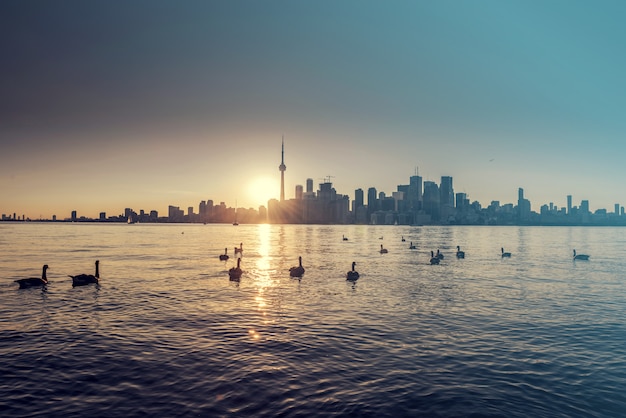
point(263, 278)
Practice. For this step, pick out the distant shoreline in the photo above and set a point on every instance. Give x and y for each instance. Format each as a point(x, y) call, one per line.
point(166, 222)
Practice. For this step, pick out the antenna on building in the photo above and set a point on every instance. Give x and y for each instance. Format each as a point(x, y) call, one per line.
point(417, 171)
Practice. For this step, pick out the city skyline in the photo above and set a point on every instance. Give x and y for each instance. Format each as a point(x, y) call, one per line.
point(417, 189)
point(146, 105)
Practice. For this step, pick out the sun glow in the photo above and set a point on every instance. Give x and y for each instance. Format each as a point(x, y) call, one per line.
point(262, 189)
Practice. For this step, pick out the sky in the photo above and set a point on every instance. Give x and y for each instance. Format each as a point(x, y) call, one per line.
point(106, 105)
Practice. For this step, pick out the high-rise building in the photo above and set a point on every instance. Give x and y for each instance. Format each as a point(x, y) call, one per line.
point(414, 197)
point(446, 192)
point(430, 199)
point(569, 204)
point(309, 185)
point(523, 206)
point(584, 207)
point(462, 201)
point(372, 203)
point(359, 211)
point(358, 198)
point(299, 192)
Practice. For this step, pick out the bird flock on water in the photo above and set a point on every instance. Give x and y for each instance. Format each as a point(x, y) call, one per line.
point(235, 273)
point(352, 275)
point(77, 280)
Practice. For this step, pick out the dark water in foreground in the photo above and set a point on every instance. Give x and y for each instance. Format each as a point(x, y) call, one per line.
point(168, 334)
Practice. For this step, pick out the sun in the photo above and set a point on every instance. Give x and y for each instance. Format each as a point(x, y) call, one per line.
point(262, 189)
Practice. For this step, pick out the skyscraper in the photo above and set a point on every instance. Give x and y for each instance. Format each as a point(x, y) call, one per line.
point(358, 198)
point(431, 199)
point(446, 191)
point(523, 206)
point(372, 204)
point(569, 204)
point(282, 167)
point(415, 192)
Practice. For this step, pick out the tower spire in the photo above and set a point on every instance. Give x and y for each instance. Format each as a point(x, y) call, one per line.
point(282, 167)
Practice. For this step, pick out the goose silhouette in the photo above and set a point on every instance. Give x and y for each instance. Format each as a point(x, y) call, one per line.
point(459, 253)
point(434, 259)
point(85, 279)
point(505, 254)
point(352, 274)
point(224, 256)
point(580, 256)
point(297, 271)
point(34, 281)
point(235, 272)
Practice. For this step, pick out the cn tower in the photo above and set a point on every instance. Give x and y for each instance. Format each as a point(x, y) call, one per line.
point(282, 167)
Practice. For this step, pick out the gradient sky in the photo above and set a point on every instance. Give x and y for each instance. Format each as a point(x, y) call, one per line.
point(144, 104)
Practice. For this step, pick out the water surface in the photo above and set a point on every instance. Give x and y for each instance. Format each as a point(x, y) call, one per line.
point(166, 333)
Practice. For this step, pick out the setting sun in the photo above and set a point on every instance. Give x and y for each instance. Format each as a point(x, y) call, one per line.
point(262, 189)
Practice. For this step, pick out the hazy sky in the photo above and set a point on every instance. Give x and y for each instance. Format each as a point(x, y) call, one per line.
point(142, 104)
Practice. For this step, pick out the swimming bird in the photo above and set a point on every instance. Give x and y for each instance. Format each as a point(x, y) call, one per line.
point(403, 238)
point(344, 238)
point(235, 272)
point(505, 254)
point(352, 274)
point(411, 246)
point(34, 281)
point(297, 271)
point(580, 256)
point(433, 259)
point(459, 253)
point(224, 256)
point(84, 279)
point(240, 249)
point(439, 255)
point(383, 250)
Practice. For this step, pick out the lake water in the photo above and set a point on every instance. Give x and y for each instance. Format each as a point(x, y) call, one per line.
point(166, 333)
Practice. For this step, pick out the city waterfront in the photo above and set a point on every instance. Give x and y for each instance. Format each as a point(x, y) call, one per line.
point(166, 333)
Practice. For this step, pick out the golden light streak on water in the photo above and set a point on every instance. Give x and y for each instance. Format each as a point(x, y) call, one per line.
point(263, 279)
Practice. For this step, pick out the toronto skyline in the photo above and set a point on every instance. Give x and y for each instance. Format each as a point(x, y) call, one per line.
point(146, 104)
